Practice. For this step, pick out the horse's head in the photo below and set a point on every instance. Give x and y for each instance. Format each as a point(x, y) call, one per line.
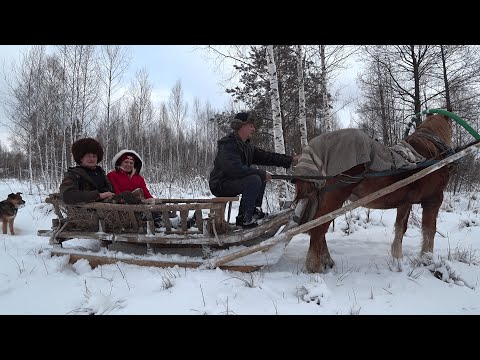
point(441, 125)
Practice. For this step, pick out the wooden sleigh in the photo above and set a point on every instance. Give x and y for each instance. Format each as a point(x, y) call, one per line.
point(130, 233)
point(213, 243)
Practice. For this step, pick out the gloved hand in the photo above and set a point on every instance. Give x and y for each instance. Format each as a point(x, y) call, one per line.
point(295, 159)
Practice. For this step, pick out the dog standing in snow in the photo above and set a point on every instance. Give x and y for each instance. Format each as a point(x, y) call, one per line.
point(8, 210)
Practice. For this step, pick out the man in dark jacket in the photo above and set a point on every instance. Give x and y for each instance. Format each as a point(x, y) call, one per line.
point(233, 174)
point(86, 182)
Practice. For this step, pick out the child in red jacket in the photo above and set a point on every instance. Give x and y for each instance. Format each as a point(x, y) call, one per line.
point(126, 176)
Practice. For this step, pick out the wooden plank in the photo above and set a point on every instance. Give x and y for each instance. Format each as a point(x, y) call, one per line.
point(145, 207)
point(53, 236)
point(96, 260)
point(183, 232)
point(100, 215)
point(286, 236)
point(183, 219)
point(133, 220)
point(166, 220)
point(229, 211)
point(57, 210)
point(151, 223)
point(118, 221)
point(187, 201)
point(158, 201)
point(199, 220)
point(215, 223)
point(271, 222)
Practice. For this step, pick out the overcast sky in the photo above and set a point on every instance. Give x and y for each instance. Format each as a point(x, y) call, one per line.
point(166, 64)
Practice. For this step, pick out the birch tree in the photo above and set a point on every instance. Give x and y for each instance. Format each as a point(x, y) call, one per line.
point(324, 108)
point(279, 144)
point(81, 91)
point(380, 108)
point(113, 62)
point(177, 111)
point(302, 118)
point(23, 104)
point(140, 111)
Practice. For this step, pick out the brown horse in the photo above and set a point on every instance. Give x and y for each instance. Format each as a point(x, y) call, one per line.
point(431, 138)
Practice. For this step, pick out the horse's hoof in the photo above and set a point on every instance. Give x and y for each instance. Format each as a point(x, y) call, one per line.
point(426, 250)
point(329, 264)
point(319, 267)
point(314, 270)
point(318, 264)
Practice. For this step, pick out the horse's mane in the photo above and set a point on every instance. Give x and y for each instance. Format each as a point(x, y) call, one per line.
point(439, 124)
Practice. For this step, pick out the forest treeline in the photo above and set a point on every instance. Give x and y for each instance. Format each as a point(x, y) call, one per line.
point(57, 94)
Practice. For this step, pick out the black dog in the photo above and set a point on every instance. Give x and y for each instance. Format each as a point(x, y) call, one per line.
point(8, 210)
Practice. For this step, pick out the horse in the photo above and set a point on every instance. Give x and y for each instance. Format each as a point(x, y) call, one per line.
point(431, 139)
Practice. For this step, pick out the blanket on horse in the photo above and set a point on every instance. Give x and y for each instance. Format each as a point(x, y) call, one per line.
point(332, 153)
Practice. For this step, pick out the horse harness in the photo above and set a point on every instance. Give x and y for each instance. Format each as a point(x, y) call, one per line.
point(345, 180)
point(434, 139)
point(426, 134)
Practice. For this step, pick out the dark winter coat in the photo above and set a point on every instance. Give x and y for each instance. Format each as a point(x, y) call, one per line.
point(235, 157)
point(80, 184)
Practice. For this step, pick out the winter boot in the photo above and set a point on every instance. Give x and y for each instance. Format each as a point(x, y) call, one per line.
point(258, 213)
point(246, 223)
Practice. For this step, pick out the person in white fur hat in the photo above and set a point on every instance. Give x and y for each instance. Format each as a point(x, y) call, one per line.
point(126, 174)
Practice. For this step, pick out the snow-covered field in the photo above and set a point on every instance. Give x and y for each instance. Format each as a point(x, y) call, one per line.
point(365, 279)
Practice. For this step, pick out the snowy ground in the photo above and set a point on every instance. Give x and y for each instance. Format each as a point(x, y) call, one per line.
point(365, 279)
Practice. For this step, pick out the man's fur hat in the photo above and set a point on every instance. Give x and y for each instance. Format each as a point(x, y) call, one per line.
point(86, 146)
point(242, 118)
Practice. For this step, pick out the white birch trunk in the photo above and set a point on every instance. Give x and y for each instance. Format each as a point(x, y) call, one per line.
point(279, 144)
point(42, 160)
point(302, 120)
point(324, 109)
point(30, 170)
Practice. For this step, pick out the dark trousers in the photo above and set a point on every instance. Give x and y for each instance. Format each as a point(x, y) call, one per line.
point(251, 188)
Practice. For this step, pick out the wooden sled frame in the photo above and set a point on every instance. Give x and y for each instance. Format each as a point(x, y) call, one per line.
point(105, 220)
point(135, 224)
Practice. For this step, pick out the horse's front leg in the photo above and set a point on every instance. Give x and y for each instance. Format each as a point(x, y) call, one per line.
point(429, 226)
point(318, 257)
point(400, 228)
